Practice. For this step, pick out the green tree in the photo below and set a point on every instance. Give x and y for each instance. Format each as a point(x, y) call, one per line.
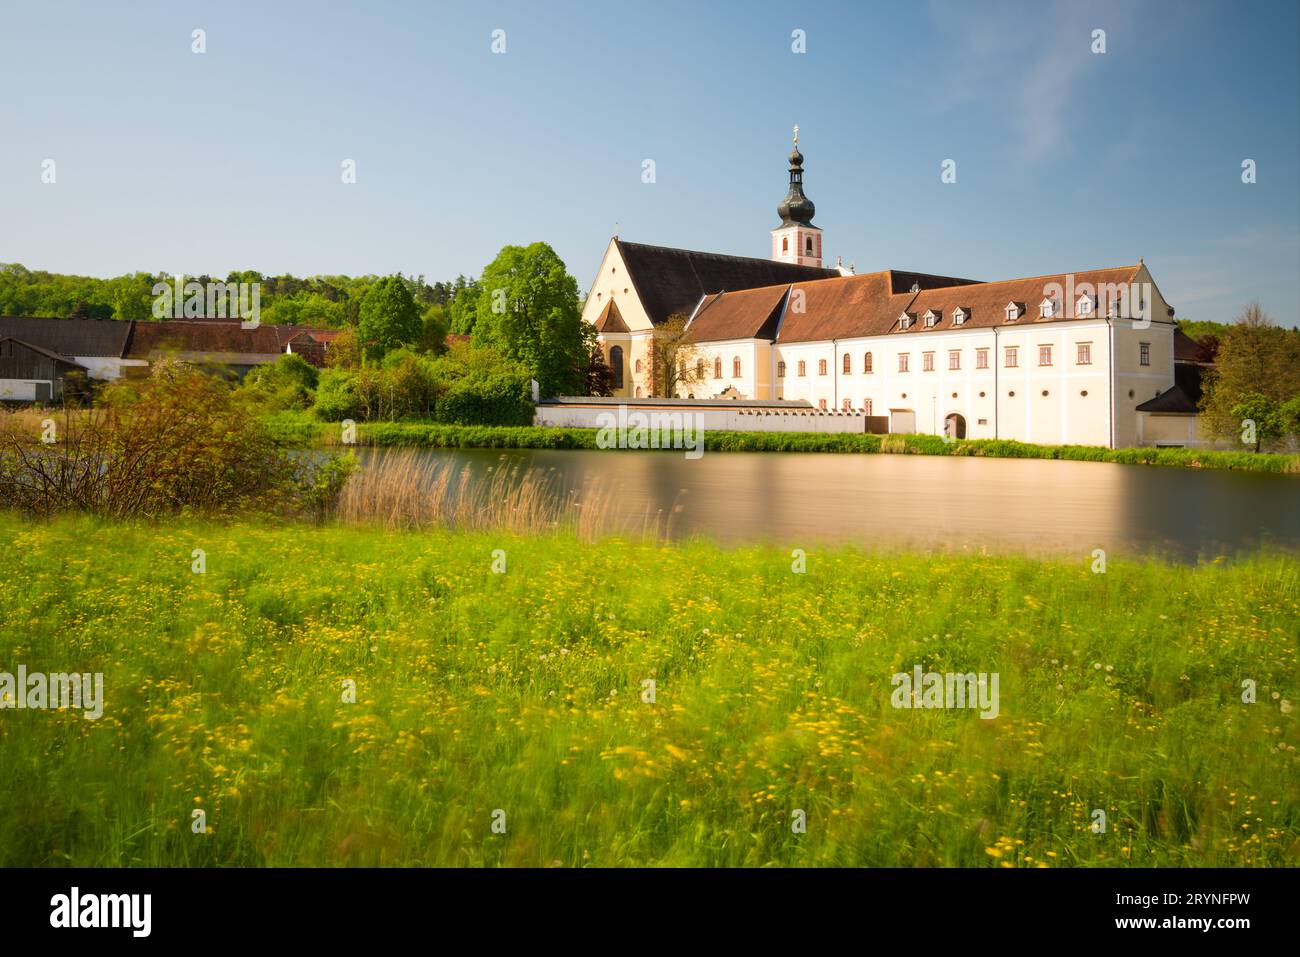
point(435, 323)
point(1257, 368)
point(389, 317)
point(675, 363)
point(1262, 415)
point(462, 305)
point(528, 310)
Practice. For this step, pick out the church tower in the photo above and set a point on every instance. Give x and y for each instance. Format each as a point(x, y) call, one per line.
point(797, 240)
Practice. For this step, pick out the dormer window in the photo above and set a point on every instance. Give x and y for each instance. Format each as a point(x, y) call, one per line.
point(905, 321)
point(1014, 309)
point(931, 317)
point(1084, 306)
point(1047, 309)
point(959, 316)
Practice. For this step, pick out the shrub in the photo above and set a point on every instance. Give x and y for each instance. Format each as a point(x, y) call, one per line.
point(337, 395)
point(180, 441)
point(499, 399)
point(288, 383)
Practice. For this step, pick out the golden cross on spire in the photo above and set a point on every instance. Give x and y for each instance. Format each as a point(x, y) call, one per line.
point(796, 136)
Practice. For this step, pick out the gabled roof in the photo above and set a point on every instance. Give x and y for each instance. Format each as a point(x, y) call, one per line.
point(748, 314)
point(675, 280)
point(856, 306)
point(610, 319)
point(204, 339)
point(63, 360)
point(69, 337)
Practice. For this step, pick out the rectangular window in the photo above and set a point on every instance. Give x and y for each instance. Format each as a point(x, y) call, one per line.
point(1013, 353)
point(954, 360)
point(1085, 354)
point(780, 370)
point(981, 358)
point(1144, 356)
point(1044, 355)
point(927, 362)
point(866, 406)
point(902, 362)
point(803, 367)
point(821, 366)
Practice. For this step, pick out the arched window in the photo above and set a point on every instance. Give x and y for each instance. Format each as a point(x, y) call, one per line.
point(866, 362)
point(638, 392)
point(638, 366)
point(808, 246)
point(785, 244)
point(616, 366)
point(717, 367)
point(699, 368)
point(848, 364)
point(735, 367)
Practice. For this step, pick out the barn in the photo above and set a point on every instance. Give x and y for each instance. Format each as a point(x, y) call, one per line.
point(29, 373)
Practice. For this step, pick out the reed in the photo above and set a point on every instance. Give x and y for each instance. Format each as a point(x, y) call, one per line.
point(405, 489)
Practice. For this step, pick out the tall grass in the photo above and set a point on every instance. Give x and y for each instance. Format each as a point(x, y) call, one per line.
point(526, 691)
point(407, 490)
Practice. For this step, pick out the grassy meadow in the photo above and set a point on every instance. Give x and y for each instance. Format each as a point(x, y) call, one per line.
point(523, 692)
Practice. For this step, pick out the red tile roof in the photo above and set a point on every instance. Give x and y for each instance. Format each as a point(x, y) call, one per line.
point(610, 319)
point(748, 314)
point(216, 340)
point(870, 304)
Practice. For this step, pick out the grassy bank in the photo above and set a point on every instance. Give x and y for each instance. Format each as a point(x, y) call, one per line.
point(523, 692)
point(303, 430)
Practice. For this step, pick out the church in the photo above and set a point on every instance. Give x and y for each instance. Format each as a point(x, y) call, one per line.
point(1089, 357)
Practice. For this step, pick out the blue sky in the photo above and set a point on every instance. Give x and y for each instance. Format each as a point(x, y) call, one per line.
point(1066, 159)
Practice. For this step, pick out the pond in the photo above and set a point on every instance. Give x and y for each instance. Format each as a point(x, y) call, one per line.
point(925, 502)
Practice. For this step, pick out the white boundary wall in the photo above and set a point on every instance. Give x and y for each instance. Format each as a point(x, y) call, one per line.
point(574, 416)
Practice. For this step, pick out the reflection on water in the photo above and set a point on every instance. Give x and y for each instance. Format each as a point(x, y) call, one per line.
point(931, 502)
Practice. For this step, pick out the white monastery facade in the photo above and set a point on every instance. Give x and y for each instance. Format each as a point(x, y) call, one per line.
point(1086, 357)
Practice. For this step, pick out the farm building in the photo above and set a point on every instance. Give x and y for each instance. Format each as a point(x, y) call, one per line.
point(43, 352)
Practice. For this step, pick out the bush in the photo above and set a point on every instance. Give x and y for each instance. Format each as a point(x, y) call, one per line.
point(181, 441)
point(288, 383)
point(337, 395)
point(501, 399)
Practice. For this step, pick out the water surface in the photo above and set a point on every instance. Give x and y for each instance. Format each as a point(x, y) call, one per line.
point(928, 502)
